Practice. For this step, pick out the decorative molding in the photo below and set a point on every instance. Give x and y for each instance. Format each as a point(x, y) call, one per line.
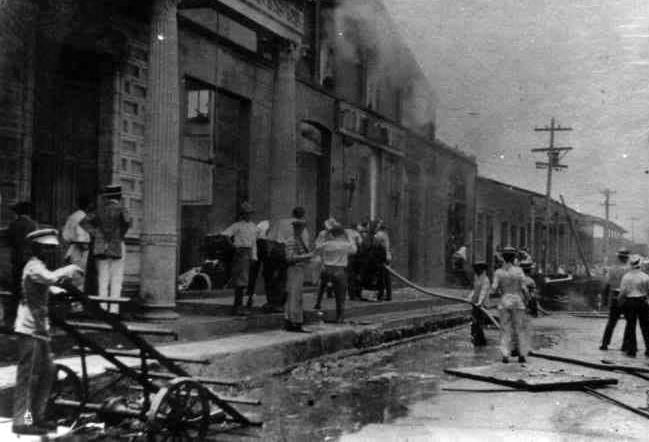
point(278, 16)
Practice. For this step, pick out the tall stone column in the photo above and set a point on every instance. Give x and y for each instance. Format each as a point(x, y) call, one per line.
point(283, 166)
point(161, 167)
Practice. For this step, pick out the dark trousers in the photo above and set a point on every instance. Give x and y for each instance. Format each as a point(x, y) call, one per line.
point(614, 313)
point(354, 279)
point(636, 310)
point(385, 281)
point(266, 269)
point(477, 334)
point(337, 276)
point(275, 282)
point(34, 378)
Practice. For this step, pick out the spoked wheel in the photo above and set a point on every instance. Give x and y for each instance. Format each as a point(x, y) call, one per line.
point(179, 412)
point(68, 391)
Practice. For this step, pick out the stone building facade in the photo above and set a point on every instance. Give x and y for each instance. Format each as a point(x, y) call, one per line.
point(196, 105)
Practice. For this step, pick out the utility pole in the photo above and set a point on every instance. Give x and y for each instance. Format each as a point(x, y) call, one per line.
point(555, 155)
point(607, 231)
point(633, 220)
point(532, 244)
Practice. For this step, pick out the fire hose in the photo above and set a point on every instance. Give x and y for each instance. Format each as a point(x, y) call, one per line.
point(443, 296)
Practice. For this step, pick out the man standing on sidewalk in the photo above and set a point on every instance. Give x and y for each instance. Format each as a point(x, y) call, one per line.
point(297, 255)
point(611, 292)
point(108, 227)
point(634, 289)
point(77, 238)
point(385, 281)
point(335, 251)
point(279, 233)
point(244, 238)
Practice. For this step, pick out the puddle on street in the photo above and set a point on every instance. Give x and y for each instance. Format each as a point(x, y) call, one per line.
point(325, 400)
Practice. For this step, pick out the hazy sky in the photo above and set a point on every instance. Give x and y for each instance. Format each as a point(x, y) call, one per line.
point(500, 68)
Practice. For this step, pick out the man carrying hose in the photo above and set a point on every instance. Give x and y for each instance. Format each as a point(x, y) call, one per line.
point(510, 281)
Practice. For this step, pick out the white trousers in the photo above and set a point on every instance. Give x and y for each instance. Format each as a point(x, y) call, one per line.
point(110, 275)
point(514, 324)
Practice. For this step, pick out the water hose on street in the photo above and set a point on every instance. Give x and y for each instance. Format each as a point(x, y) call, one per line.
point(440, 295)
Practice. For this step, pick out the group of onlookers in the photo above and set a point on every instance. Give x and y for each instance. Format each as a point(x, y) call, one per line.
point(93, 237)
point(348, 259)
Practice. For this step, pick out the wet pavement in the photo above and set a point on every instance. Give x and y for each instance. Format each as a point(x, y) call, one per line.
point(401, 394)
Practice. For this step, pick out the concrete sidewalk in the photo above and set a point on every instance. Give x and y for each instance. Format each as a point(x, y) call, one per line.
point(209, 318)
point(250, 356)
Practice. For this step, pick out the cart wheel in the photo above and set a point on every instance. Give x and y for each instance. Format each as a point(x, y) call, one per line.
point(66, 385)
point(179, 412)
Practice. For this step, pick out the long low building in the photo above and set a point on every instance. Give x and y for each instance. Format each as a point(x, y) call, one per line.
point(510, 215)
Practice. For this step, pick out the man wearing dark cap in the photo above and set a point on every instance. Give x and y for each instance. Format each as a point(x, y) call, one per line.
point(35, 369)
point(108, 226)
point(17, 230)
point(279, 233)
point(611, 293)
point(297, 255)
point(243, 234)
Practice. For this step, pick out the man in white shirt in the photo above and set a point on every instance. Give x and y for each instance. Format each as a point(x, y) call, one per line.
point(335, 251)
point(77, 238)
point(244, 238)
point(634, 289)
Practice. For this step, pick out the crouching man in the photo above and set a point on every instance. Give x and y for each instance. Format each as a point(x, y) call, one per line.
point(35, 370)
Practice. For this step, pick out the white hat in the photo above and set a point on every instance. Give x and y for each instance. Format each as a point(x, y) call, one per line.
point(262, 227)
point(44, 236)
point(634, 260)
point(329, 223)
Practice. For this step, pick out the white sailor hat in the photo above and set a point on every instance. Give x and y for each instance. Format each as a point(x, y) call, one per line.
point(44, 236)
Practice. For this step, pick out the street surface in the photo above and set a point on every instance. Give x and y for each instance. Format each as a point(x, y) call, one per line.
point(399, 394)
